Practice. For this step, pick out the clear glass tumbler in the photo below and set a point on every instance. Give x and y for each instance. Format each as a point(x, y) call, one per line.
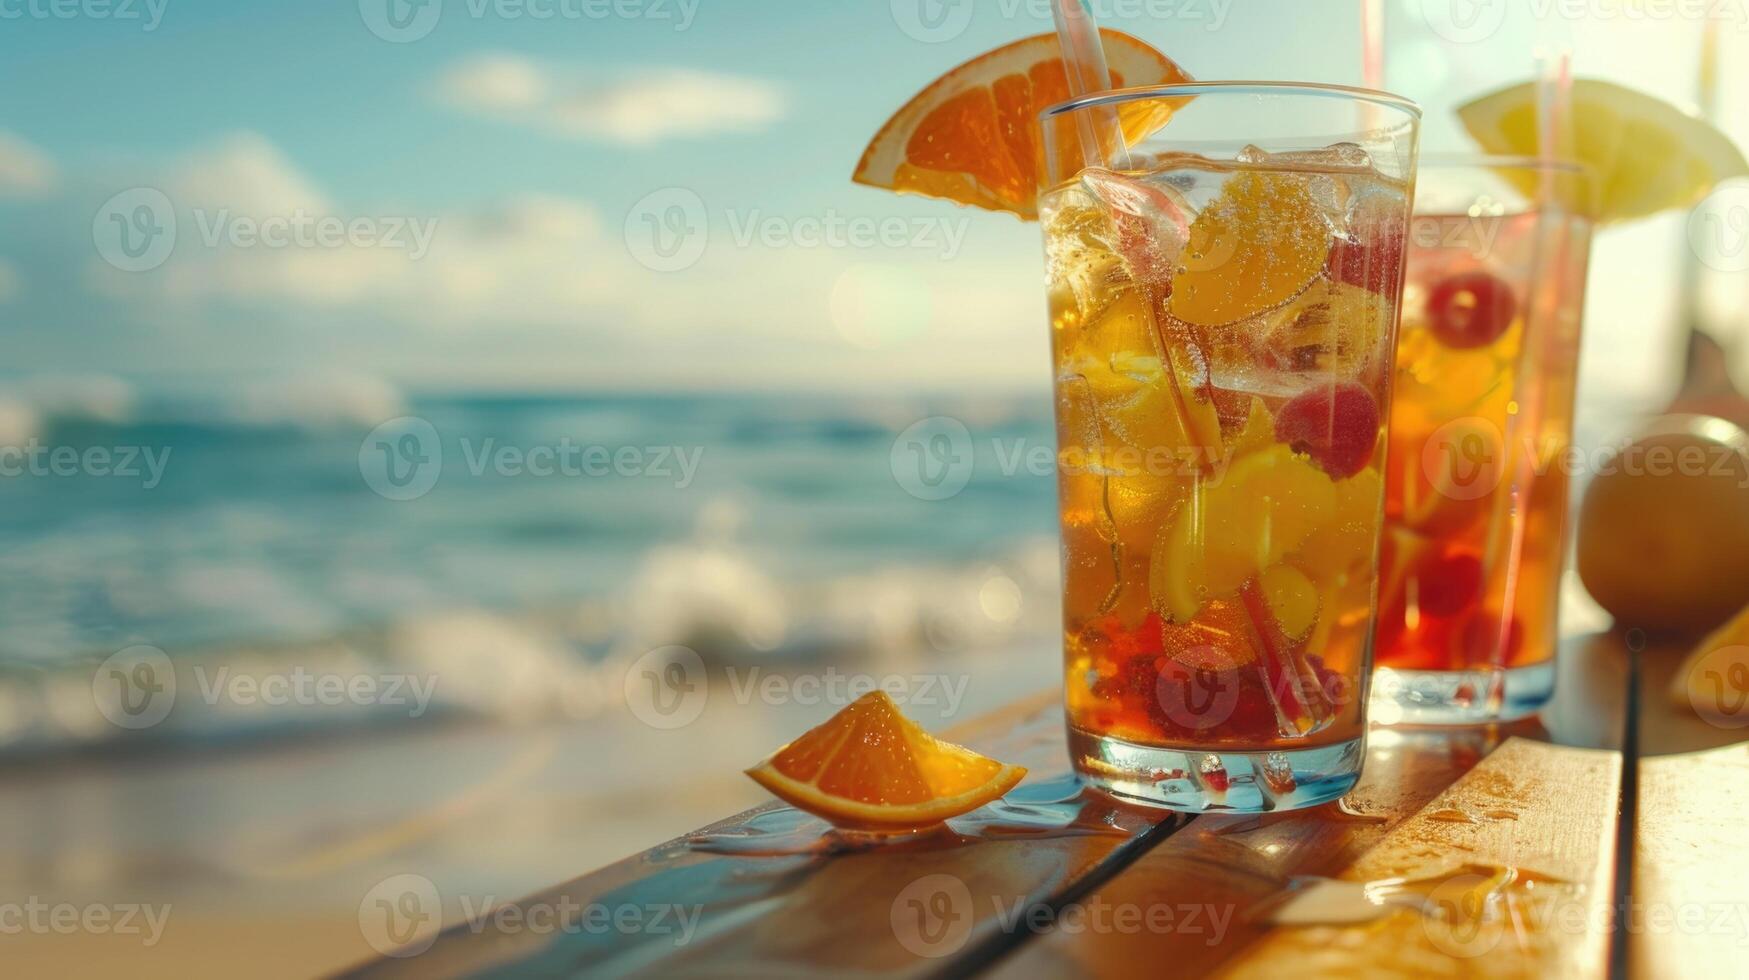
point(1223, 298)
point(1482, 420)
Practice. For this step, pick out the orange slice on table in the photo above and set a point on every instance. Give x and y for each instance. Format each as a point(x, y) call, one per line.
point(869, 766)
point(971, 136)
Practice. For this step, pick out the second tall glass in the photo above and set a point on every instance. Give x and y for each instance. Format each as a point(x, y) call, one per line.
point(1223, 300)
point(1476, 508)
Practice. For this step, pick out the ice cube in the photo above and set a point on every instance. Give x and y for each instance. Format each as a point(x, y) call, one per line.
point(1150, 222)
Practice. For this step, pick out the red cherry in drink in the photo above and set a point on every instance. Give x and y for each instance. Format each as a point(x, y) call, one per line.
point(1337, 425)
point(1470, 309)
point(1373, 261)
point(1447, 584)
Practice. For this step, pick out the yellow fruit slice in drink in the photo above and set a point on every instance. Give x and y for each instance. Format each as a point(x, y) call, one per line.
point(1251, 517)
point(971, 136)
point(1253, 248)
point(1645, 155)
point(870, 766)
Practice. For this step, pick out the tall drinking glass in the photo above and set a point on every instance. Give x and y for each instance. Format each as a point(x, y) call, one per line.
point(1223, 301)
point(1481, 424)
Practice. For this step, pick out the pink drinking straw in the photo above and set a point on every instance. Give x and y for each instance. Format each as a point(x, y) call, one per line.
point(1372, 39)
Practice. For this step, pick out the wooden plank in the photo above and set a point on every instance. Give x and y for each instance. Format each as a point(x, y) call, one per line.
point(1689, 914)
point(1548, 814)
point(894, 911)
point(1688, 910)
point(1228, 866)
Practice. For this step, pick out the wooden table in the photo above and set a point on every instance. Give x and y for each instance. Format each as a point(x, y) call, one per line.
point(1626, 852)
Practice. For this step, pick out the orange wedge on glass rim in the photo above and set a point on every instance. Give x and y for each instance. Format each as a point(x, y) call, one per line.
point(971, 136)
point(869, 767)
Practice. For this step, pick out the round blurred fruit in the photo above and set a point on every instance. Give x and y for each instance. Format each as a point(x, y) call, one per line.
point(1664, 530)
point(1471, 309)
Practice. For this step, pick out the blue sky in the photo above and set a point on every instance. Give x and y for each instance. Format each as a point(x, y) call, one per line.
point(526, 142)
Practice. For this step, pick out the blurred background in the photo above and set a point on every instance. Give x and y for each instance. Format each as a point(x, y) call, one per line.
point(394, 391)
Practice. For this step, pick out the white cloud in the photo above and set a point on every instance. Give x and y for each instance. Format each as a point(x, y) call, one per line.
point(245, 174)
point(544, 290)
point(495, 82)
point(25, 170)
point(528, 261)
point(640, 109)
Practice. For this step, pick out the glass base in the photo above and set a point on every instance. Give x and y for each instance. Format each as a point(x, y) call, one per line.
point(1216, 782)
point(1457, 697)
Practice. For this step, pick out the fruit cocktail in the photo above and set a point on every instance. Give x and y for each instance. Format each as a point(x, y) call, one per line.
point(1482, 419)
point(1223, 308)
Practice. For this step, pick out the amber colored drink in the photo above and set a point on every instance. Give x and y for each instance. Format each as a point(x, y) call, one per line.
point(1477, 484)
point(1222, 335)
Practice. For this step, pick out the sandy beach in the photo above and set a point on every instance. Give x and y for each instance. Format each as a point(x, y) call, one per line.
point(256, 860)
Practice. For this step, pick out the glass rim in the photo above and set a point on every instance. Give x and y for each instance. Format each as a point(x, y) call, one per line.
point(1119, 96)
point(1460, 160)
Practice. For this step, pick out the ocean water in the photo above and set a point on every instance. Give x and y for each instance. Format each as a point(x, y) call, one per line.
point(235, 521)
